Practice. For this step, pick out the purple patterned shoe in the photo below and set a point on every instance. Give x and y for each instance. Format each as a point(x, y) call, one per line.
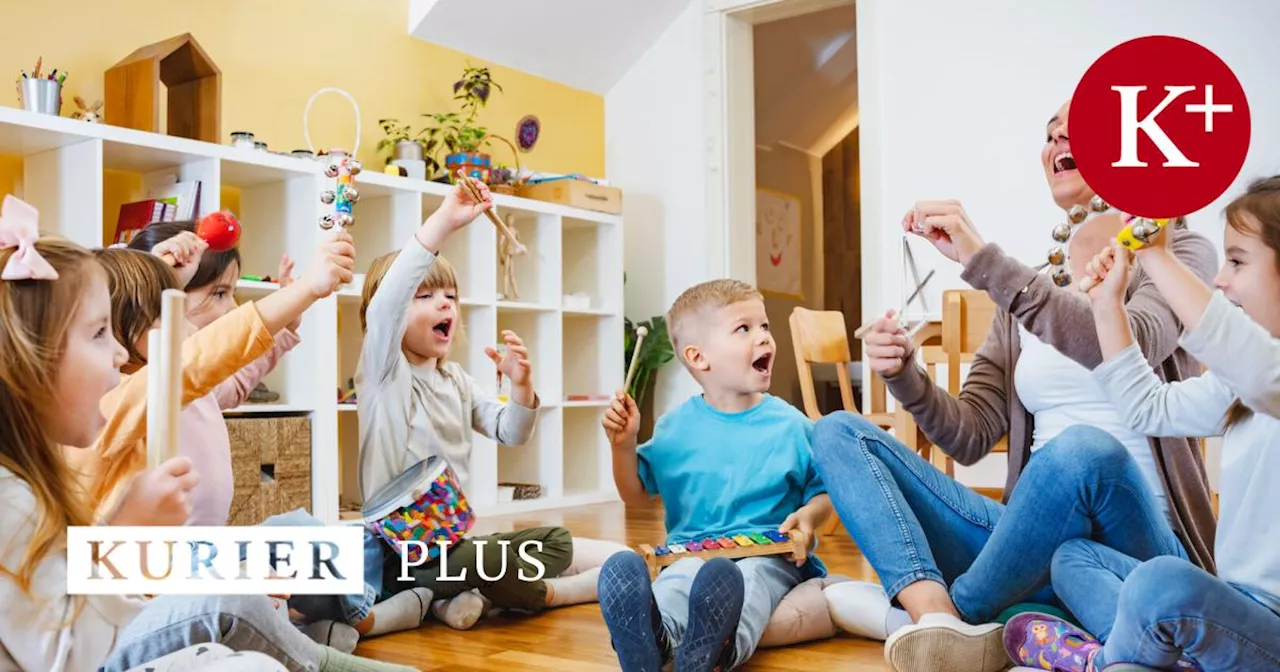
point(1048, 643)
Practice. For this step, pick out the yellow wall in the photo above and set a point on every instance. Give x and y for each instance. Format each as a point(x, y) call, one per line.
point(275, 53)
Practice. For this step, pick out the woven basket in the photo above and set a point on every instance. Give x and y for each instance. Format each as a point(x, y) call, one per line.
point(271, 463)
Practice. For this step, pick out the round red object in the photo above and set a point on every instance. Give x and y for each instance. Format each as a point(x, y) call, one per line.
point(220, 230)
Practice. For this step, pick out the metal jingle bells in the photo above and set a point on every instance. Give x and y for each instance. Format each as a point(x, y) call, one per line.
point(344, 196)
point(1057, 256)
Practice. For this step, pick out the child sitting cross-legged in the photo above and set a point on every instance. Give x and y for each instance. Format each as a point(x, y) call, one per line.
point(1167, 613)
point(733, 460)
point(415, 404)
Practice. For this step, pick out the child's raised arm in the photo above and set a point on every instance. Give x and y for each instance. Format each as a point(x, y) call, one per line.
point(386, 316)
point(1193, 407)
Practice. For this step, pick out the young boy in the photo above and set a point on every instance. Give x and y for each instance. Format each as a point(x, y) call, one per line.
point(733, 460)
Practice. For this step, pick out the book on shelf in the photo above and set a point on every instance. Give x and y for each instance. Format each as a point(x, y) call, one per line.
point(135, 217)
point(185, 196)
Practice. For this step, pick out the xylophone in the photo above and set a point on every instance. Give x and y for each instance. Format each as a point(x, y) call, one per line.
point(424, 504)
point(744, 545)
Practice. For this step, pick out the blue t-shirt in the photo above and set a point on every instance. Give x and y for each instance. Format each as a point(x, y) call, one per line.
point(721, 474)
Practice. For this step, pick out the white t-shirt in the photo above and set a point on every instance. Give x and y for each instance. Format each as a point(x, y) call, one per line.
point(1059, 392)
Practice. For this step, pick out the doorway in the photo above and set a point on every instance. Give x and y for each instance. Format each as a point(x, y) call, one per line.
point(800, 183)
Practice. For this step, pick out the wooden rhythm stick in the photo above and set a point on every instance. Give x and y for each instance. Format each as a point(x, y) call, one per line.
point(641, 332)
point(738, 546)
point(164, 381)
point(465, 181)
point(1136, 235)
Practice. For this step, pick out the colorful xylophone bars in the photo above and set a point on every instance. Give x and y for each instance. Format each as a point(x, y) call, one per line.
point(744, 545)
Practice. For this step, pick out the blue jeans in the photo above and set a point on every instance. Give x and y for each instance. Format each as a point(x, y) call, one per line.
point(765, 581)
point(240, 622)
point(349, 609)
point(914, 523)
point(1153, 613)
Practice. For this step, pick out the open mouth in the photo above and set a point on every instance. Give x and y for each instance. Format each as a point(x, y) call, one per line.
point(444, 327)
point(763, 363)
point(1063, 162)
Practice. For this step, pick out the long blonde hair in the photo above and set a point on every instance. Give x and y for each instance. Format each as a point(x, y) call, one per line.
point(35, 316)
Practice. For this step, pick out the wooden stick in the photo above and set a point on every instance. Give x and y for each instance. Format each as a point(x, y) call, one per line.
point(517, 246)
point(165, 379)
point(641, 332)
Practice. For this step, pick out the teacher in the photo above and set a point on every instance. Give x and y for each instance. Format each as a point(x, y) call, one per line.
point(954, 559)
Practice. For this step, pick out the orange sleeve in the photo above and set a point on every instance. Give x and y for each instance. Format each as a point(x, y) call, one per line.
point(209, 356)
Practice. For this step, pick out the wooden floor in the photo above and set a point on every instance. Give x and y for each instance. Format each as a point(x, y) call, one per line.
point(575, 639)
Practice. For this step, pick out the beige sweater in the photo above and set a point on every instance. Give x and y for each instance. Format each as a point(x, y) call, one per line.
point(968, 426)
point(37, 633)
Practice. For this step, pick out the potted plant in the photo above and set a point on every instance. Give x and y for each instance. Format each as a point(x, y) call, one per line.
point(398, 144)
point(457, 133)
point(655, 352)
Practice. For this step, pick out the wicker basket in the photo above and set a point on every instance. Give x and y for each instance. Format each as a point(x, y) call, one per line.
point(271, 462)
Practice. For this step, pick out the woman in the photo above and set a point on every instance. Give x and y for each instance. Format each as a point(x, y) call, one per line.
point(952, 557)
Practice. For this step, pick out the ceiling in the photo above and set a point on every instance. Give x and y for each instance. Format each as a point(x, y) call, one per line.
point(806, 86)
point(586, 44)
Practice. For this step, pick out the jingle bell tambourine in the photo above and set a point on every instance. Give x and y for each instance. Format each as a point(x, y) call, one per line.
point(426, 504)
point(1141, 232)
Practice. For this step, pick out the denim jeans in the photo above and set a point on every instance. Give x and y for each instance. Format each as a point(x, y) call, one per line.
point(914, 523)
point(349, 609)
point(1153, 613)
point(765, 581)
point(239, 622)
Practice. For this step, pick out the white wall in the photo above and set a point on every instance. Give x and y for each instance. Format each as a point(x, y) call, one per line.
point(954, 100)
point(654, 152)
point(955, 96)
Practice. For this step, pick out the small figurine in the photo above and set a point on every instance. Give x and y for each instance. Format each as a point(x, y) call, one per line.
point(508, 249)
point(92, 114)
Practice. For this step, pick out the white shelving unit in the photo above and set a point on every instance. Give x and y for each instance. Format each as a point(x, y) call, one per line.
point(574, 352)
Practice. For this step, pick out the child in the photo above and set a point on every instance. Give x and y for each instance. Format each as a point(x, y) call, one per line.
point(58, 360)
point(209, 279)
point(414, 403)
point(733, 460)
point(210, 356)
point(1166, 613)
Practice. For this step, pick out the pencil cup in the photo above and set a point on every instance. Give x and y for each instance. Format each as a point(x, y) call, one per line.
point(41, 95)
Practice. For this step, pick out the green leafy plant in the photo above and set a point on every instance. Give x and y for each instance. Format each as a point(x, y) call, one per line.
point(655, 352)
point(456, 132)
point(394, 132)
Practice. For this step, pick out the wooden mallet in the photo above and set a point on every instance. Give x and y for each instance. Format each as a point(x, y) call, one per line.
point(641, 332)
point(164, 379)
point(517, 247)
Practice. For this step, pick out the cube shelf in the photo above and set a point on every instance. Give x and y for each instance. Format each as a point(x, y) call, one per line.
point(568, 308)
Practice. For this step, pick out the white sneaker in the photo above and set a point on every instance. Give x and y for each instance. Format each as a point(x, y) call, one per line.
point(943, 643)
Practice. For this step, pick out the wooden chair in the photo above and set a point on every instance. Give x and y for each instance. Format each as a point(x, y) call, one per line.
point(966, 321)
point(820, 337)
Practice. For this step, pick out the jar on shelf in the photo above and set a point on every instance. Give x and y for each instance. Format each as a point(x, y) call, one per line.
point(242, 139)
point(260, 145)
point(302, 153)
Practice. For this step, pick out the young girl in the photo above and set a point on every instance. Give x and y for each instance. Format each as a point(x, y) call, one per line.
point(414, 404)
point(210, 281)
point(57, 360)
point(210, 356)
point(1166, 613)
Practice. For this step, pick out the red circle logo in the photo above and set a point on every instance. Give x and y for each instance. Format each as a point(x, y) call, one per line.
point(1159, 127)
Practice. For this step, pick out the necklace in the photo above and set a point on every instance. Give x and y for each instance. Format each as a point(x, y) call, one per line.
point(1076, 216)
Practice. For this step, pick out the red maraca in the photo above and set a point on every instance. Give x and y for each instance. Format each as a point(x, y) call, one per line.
point(220, 230)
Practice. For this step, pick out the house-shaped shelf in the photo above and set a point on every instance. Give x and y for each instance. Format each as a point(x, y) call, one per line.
point(194, 87)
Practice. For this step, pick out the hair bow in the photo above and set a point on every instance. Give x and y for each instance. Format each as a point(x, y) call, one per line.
point(18, 229)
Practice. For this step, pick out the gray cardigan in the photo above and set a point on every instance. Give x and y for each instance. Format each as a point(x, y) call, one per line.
point(968, 426)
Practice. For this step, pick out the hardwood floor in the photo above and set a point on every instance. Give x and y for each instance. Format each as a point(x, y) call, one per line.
point(575, 639)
